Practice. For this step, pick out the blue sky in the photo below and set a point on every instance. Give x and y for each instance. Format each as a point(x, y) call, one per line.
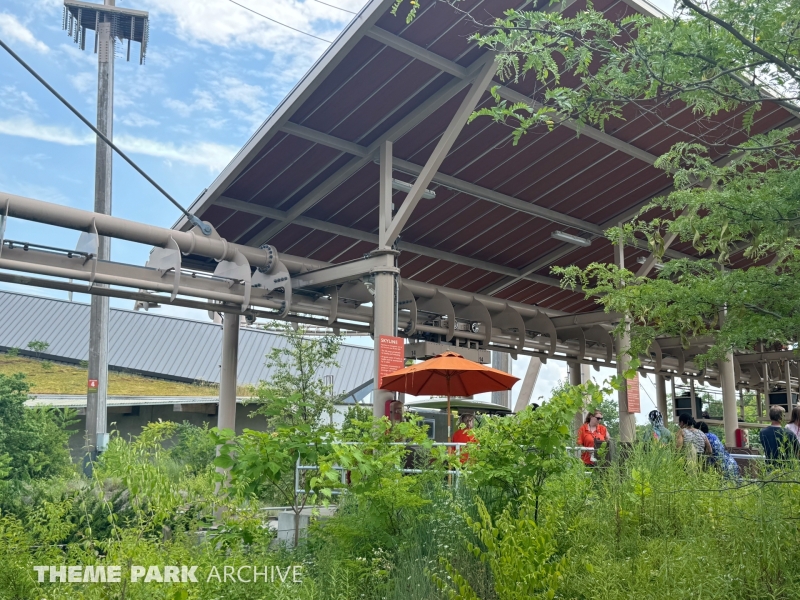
point(214, 72)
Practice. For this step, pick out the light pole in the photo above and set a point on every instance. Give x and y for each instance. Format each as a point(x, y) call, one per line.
point(109, 24)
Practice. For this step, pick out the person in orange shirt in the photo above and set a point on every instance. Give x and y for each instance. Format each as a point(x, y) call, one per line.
point(591, 434)
point(463, 435)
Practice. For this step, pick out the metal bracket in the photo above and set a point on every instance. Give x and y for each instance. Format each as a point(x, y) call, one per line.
point(89, 242)
point(440, 305)
point(575, 333)
point(477, 312)
point(334, 309)
point(406, 301)
point(165, 260)
point(510, 319)
point(541, 323)
point(655, 348)
point(597, 334)
point(278, 278)
point(237, 269)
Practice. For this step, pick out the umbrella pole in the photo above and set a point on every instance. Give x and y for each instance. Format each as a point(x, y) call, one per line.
point(449, 416)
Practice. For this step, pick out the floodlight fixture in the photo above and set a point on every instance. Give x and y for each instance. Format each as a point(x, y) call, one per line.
point(402, 186)
point(124, 24)
point(571, 239)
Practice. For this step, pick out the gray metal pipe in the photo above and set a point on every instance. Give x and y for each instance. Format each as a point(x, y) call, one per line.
point(215, 247)
point(227, 376)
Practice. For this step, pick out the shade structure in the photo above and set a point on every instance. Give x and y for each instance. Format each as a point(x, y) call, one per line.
point(448, 374)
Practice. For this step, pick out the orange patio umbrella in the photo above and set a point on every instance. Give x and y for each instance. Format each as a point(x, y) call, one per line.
point(448, 374)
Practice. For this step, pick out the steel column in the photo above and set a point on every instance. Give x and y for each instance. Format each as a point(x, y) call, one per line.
point(575, 378)
point(661, 396)
point(727, 380)
point(502, 362)
point(627, 420)
point(227, 376)
point(384, 322)
point(97, 389)
point(528, 384)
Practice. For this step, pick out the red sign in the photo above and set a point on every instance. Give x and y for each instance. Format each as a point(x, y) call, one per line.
point(92, 386)
point(391, 356)
point(634, 402)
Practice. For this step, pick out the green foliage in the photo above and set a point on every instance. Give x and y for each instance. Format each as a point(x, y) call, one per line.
point(34, 441)
point(38, 346)
point(521, 554)
point(517, 454)
point(297, 375)
point(716, 57)
point(13, 351)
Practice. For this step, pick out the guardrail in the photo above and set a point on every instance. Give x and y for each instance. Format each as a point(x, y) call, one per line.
point(574, 450)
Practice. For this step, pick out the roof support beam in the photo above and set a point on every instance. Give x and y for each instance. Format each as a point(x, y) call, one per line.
point(440, 152)
point(418, 115)
point(358, 234)
point(443, 64)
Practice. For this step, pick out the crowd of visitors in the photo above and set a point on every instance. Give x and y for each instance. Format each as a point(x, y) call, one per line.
point(779, 443)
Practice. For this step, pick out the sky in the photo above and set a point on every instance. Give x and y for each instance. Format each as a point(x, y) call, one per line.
point(213, 74)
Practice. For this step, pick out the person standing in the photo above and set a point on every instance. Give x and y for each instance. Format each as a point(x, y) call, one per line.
point(794, 422)
point(658, 431)
point(691, 437)
point(720, 455)
point(778, 443)
point(592, 434)
point(464, 435)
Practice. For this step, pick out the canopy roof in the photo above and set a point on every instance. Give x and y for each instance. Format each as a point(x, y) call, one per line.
point(307, 181)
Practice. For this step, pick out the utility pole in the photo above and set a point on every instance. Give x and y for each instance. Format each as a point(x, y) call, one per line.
point(109, 24)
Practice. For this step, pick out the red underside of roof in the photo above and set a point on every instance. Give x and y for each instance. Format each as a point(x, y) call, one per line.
point(374, 87)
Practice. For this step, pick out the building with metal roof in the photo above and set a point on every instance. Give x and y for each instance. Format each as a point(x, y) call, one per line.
point(160, 346)
point(369, 201)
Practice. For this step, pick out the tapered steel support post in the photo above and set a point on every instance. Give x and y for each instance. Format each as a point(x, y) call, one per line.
point(227, 377)
point(384, 321)
point(727, 379)
point(627, 420)
point(661, 397)
point(575, 378)
point(96, 407)
point(502, 362)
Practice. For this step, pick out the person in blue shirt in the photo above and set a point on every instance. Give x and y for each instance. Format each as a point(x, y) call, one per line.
point(779, 444)
point(719, 455)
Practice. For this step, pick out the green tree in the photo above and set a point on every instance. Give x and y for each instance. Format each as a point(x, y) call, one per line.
point(297, 377)
point(32, 440)
point(518, 454)
point(730, 200)
point(38, 346)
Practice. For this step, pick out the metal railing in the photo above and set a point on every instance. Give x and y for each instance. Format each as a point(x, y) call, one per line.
point(343, 470)
point(575, 451)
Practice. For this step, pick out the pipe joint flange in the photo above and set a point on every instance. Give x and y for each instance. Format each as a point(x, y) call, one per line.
point(271, 258)
point(391, 270)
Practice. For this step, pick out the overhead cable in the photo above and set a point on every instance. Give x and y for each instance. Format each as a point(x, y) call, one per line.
point(204, 227)
point(281, 24)
point(336, 7)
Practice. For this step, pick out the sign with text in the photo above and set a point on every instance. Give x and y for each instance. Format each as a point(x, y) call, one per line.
point(391, 356)
point(634, 402)
point(92, 389)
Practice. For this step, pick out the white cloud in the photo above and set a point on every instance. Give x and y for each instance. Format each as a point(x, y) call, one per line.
point(84, 82)
point(205, 154)
point(12, 29)
point(236, 91)
point(134, 119)
point(28, 128)
point(16, 100)
point(202, 101)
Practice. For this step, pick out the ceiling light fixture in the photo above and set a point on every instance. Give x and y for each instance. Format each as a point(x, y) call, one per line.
point(402, 186)
point(571, 239)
